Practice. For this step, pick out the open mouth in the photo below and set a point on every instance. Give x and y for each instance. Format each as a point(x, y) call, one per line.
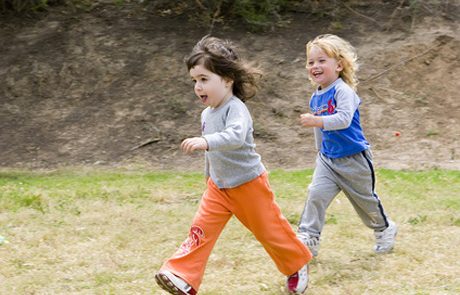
point(317, 74)
point(203, 98)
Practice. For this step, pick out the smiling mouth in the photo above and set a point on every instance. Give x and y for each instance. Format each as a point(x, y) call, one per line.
point(317, 74)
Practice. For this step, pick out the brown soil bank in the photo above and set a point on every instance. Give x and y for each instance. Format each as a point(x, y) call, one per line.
point(91, 88)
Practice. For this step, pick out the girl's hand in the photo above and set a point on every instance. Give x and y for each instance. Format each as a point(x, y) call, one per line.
point(309, 120)
point(194, 143)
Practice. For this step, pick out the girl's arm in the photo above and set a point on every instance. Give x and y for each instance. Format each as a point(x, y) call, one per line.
point(194, 143)
point(237, 126)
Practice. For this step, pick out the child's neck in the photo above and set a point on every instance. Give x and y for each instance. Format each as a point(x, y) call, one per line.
point(224, 100)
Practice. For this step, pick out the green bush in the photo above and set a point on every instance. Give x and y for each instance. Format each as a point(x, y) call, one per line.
point(259, 13)
point(24, 5)
point(255, 13)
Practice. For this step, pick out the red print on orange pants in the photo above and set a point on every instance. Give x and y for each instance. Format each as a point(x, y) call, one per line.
point(194, 239)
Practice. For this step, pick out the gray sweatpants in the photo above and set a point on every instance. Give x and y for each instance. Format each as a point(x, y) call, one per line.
point(354, 175)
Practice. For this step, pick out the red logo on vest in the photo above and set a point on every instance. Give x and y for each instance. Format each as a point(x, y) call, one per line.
point(330, 107)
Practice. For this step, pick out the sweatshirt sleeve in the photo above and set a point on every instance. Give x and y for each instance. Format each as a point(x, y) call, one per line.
point(237, 122)
point(347, 103)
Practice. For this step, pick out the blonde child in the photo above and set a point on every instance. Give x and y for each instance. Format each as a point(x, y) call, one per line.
point(237, 183)
point(344, 161)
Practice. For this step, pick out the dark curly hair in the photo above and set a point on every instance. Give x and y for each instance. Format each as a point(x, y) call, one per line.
point(220, 57)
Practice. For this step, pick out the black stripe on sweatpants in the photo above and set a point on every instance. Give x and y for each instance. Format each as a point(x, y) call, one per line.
point(369, 162)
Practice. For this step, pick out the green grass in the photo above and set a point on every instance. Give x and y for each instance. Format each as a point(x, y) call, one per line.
point(107, 232)
point(36, 190)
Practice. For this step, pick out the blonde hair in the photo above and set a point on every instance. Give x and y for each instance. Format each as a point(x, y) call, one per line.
point(342, 51)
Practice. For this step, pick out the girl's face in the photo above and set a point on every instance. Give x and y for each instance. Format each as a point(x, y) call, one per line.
point(210, 88)
point(322, 69)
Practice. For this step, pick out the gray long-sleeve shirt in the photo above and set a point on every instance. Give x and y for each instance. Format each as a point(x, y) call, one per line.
point(231, 159)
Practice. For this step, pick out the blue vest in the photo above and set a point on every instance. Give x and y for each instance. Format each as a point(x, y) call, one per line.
point(343, 142)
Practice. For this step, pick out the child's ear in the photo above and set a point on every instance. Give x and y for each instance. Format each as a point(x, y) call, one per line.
point(228, 82)
point(339, 66)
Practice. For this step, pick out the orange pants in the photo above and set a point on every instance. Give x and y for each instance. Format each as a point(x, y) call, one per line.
point(254, 205)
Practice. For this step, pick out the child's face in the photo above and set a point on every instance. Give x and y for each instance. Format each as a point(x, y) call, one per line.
point(323, 70)
point(210, 88)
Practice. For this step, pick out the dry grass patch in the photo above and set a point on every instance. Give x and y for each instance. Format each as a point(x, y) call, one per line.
point(99, 232)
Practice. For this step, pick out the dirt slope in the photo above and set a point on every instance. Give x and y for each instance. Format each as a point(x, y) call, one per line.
point(90, 88)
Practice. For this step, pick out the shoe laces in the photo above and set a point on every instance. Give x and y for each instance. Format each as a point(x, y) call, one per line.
point(311, 242)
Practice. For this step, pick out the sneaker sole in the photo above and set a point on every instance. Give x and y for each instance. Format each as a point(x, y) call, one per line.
point(165, 283)
point(296, 292)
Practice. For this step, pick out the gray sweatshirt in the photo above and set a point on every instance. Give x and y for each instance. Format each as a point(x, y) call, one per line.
point(231, 159)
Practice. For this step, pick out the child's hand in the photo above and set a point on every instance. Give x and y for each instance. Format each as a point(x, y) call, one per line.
point(194, 143)
point(309, 120)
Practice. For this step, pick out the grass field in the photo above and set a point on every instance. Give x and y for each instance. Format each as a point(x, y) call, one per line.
point(107, 232)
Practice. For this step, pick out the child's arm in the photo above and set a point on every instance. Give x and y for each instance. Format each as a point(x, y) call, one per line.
point(197, 143)
point(237, 123)
point(347, 103)
point(309, 120)
point(194, 143)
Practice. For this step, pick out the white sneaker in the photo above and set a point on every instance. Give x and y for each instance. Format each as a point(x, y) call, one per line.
point(311, 242)
point(297, 283)
point(385, 240)
point(173, 284)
